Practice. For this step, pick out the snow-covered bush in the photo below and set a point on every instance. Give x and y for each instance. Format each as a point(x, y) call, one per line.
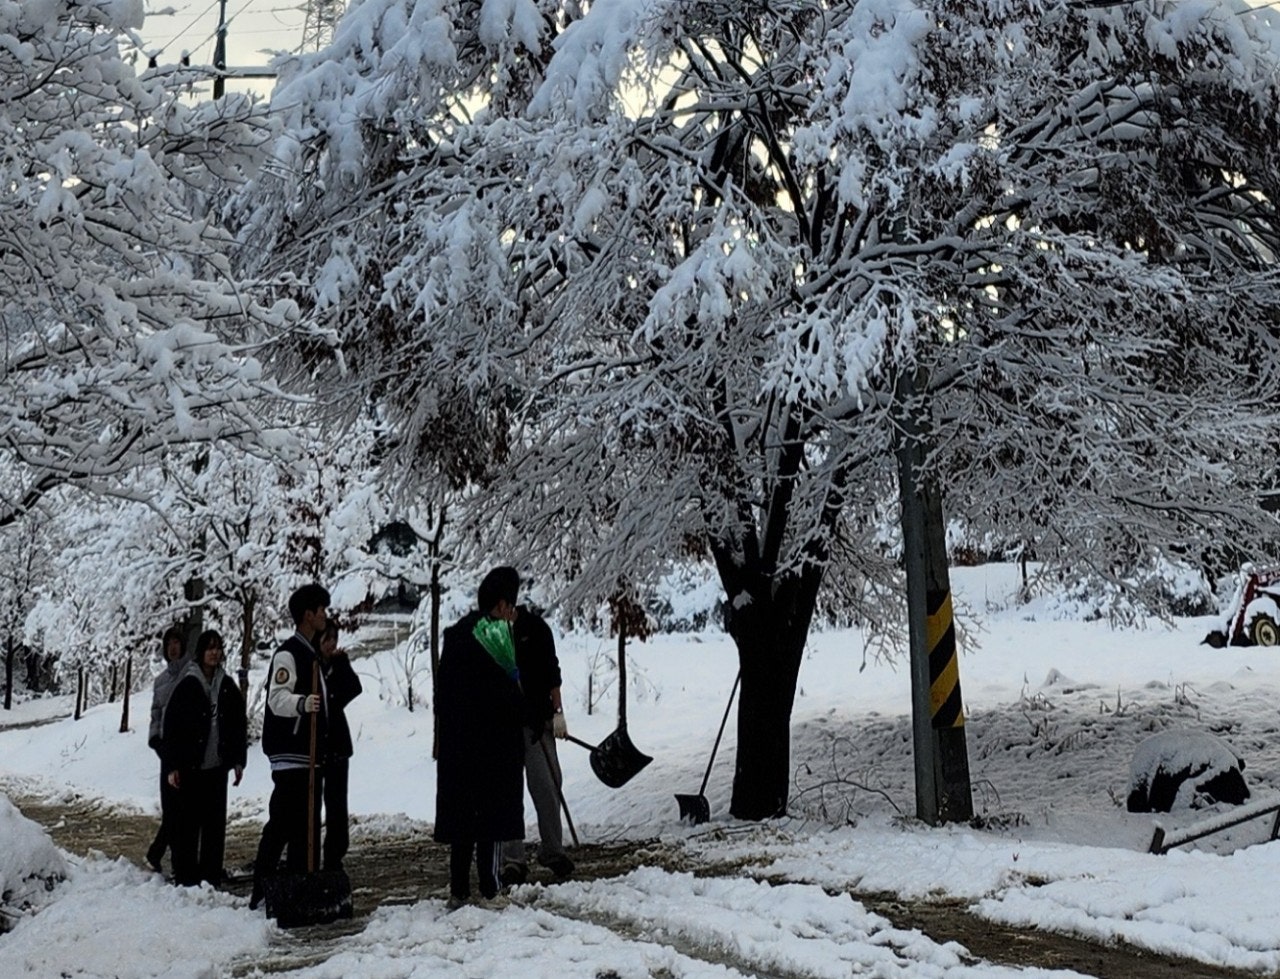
point(30, 865)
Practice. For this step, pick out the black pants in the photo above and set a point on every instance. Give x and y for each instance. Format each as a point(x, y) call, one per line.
point(486, 854)
point(286, 829)
point(337, 837)
point(200, 827)
point(168, 812)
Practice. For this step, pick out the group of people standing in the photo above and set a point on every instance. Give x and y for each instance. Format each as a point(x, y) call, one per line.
point(198, 729)
point(499, 710)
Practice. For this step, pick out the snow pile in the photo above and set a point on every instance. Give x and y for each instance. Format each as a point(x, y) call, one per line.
point(30, 865)
point(112, 919)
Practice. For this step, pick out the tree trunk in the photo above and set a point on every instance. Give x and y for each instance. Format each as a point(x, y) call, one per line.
point(10, 651)
point(769, 626)
point(111, 699)
point(128, 683)
point(247, 609)
point(79, 692)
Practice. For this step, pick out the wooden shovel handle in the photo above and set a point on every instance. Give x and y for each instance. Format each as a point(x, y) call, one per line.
point(311, 775)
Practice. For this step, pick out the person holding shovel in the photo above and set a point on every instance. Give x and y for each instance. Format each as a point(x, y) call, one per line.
point(544, 722)
point(286, 740)
point(204, 738)
point(479, 795)
point(341, 687)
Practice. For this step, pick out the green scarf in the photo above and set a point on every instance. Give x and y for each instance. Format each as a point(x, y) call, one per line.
point(495, 636)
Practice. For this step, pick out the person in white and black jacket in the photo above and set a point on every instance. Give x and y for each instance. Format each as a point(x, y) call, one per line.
point(204, 739)
point(286, 739)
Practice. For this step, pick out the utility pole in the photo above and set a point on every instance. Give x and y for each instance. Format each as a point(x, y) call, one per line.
point(220, 53)
point(943, 790)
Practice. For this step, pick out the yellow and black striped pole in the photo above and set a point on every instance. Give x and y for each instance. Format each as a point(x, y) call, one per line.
point(943, 790)
point(945, 707)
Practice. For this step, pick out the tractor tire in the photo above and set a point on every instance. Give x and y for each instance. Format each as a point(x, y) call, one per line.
point(1264, 631)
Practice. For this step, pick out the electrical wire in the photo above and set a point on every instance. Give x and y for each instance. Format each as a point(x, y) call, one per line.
point(230, 20)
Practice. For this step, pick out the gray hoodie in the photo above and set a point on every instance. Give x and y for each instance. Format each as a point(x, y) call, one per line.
point(161, 689)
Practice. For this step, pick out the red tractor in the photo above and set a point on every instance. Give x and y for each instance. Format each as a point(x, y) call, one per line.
point(1253, 618)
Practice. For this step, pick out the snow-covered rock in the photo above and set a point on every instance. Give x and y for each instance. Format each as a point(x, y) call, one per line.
point(1184, 770)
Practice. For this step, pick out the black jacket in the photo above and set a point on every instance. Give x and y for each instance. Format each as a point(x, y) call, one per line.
point(187, 720)
point(539, 666)
point(341, 687)
point(479, 777)
point(286, 736)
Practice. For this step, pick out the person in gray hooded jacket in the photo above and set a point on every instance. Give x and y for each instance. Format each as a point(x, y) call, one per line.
point(175, 662)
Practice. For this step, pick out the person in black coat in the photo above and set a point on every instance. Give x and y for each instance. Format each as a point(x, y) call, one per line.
point(204, 738)
point(479, 784)
point(341, 687)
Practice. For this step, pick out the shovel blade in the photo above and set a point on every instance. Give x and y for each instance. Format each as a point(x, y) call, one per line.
point(317, 898)
point(694, 809)
point(616, 761)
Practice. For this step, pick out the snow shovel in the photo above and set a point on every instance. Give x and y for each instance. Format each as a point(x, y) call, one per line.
point(318, 896)
point(695, 808)
point(615, 760)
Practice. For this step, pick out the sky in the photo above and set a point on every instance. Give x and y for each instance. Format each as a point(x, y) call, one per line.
point(256, 29)
point(1056, 707)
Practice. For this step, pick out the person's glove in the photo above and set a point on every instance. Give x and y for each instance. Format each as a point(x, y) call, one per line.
point(558, 726)
point(311, 703)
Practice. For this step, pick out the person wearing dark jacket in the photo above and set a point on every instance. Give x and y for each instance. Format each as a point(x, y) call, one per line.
point(175, 663)
point(295, 691)
point(204, 738)
point(341, 687)
point(479, 795)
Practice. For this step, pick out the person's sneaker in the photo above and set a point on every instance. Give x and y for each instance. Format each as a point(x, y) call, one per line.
point(512, 874)
point(495, 903)
point(561, 867)
point(455, 902)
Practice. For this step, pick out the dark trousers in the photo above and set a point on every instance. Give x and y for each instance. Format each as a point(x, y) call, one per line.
point(337, 837)
point(168, 813)
point(486, 854)
point(200, 827)
point(286, 829)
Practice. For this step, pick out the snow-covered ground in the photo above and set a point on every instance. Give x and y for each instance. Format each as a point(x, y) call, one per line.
point(1055, 711)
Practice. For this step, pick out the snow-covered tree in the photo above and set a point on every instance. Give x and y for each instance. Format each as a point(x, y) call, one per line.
point(221, 535)
point(667, 278)
point(113, 292)
point(30, 544)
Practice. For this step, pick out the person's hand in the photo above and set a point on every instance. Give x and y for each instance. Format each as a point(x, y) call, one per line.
point(175, 779)
point(311, 703)
point(558, 726)
point(239, 774)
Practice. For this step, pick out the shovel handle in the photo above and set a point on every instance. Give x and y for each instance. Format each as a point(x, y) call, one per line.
point(311, 775)
point(553, 770)
point(719, 734)
point(580, 743)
